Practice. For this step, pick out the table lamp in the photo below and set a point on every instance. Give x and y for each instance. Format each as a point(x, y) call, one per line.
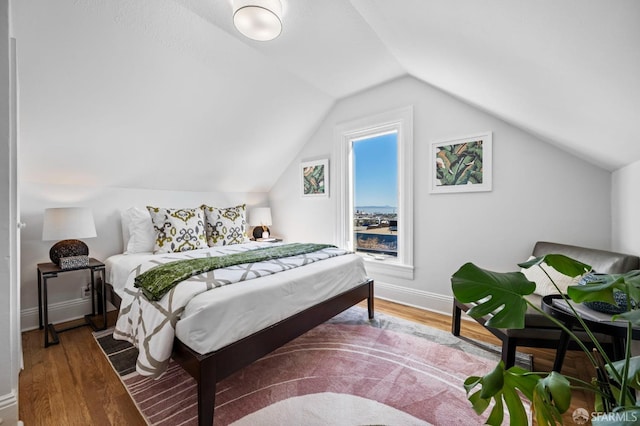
point(67, 224)
point(260, 218)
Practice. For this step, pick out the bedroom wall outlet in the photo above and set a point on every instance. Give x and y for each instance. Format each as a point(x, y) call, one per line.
point(85, 291)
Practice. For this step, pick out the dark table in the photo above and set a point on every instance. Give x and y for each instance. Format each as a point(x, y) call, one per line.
point(598, 323)
point(49, 270)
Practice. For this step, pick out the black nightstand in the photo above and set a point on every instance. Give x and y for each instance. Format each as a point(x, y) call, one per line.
point(51, 270)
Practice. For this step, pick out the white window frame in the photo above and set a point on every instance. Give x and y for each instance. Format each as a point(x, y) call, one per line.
point(400, 121)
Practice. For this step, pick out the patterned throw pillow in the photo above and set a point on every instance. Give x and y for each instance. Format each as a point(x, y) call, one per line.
point(178, 229)
point(226, 226)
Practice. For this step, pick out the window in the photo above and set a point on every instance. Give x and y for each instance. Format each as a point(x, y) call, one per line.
point(375, 194)
point(375, 190)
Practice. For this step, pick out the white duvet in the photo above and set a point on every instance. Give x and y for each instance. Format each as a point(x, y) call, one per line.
point(207, 313)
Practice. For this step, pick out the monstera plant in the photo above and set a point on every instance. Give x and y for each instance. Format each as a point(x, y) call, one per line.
point(501, 296)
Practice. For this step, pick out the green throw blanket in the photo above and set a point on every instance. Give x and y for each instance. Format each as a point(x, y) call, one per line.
point(156, 282)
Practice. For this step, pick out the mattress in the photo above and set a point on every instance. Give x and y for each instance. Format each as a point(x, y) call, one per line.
point(216, 318)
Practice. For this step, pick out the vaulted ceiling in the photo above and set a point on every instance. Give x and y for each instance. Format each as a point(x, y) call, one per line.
point(167, 94)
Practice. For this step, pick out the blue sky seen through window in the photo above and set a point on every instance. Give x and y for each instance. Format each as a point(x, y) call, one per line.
point(375, 174)
point(376, 171)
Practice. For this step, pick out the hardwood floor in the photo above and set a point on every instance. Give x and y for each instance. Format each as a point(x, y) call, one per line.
point(73, 384)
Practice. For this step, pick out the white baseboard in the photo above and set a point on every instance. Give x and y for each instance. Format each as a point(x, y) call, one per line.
point(9, 409)
point(58, 312)
point(416, 298)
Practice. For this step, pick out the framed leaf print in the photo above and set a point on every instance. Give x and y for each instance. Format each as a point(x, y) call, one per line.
point(315, 178)
point(461, 165)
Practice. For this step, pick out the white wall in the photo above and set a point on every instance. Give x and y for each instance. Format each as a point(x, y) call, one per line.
point(539, 193)
point(106, 204)
point(626, 209)
point(110, 88)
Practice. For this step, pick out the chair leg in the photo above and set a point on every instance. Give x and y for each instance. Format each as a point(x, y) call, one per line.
point(563, 345)
point(455, 319)
point(617, 349)
point(509, 352)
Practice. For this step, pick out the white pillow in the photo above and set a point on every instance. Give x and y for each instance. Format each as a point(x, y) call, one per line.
point(139, 229)
point(544, 286)
point(125, 219)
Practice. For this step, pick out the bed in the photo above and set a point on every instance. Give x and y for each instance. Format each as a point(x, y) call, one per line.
point(221, 331)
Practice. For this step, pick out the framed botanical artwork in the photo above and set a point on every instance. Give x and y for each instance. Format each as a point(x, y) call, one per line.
point(315, 178)
point(461, 165)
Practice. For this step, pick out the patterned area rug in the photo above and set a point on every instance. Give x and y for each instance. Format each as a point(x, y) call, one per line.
point(344, 372)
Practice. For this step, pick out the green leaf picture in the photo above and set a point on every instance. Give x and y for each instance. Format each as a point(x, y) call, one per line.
point(459, 164)
point(462, 165)
point(315, 178)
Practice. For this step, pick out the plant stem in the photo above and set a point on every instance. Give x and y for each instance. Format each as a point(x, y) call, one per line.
point(627, 358)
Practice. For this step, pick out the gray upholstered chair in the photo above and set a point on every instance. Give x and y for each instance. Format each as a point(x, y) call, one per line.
point(539, 332)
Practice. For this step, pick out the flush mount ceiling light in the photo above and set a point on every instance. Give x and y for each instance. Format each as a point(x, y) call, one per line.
point(258, 19)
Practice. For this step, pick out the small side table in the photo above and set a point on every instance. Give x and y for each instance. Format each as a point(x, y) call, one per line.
point(51, 270)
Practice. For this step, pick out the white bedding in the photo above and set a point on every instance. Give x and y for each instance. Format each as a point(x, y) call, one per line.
point(216, 318)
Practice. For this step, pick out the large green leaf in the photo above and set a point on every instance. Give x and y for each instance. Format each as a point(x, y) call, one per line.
point(561, 263)
point(596, 291)
point(602, 289)
point(551, 398)
point(632, 280)
point(502, 387)
point(497, 293)
point(632, 316)
point(628, 282)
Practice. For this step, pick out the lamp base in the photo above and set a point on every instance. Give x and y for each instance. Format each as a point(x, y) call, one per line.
point(67, 248)
point(258, 230)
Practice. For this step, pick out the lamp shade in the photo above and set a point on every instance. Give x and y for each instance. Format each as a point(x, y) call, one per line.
point(66, 223)
point(258, 19)
point(260, 216)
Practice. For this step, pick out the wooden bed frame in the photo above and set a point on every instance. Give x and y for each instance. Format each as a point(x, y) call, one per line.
point(210, 368)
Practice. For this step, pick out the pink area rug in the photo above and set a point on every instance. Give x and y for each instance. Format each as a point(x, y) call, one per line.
point(346, 371)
